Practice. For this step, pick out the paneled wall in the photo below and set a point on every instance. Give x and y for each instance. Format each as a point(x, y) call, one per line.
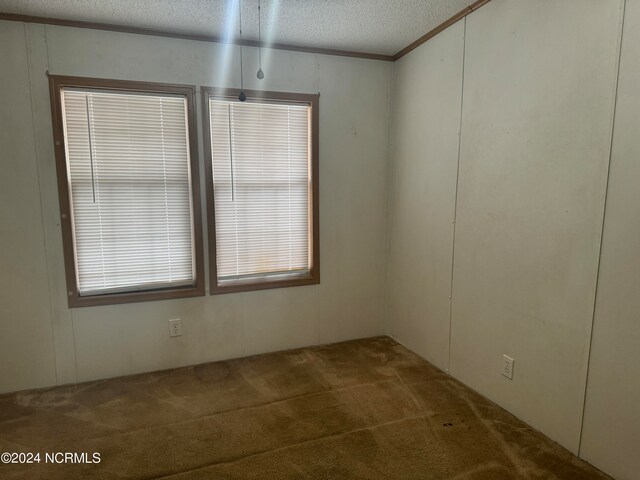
point(26, 343)
point(611, 435)
point(502, 162)
point(45, 343)
point(424, 149)
point(538, 91)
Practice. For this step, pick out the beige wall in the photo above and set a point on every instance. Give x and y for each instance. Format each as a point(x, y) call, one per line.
point(611, 435)
point(538, 100)
point(424, 141)
point(45, 343)
point(539, 88)
point(532, 87)
point(26, 342)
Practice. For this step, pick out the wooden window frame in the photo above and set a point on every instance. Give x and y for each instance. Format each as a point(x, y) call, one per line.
point(264, 283)
point(56, 84)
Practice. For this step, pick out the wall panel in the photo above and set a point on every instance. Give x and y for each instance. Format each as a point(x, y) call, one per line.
point(108, 341)
point(424, 152)
point(539, 87)
point(26, 342)
point(611, 433)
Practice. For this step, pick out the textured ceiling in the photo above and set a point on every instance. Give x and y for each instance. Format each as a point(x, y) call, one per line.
point(372, 26)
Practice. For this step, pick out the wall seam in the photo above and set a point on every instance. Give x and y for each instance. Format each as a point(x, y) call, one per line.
point(27, 45)
point(387, 245)
point(604, 213)
point(455, 203)
point(316, 88)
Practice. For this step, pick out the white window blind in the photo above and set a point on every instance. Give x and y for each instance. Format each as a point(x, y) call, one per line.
point(262, 188)
point(130, 187)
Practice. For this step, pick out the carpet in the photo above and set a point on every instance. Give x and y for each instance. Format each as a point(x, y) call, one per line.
point(365, 409)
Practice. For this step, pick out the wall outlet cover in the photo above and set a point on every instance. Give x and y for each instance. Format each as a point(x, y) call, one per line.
point(175, 327)
point(507, 366)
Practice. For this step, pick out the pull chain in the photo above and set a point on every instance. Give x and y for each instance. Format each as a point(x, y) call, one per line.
point(242, 97)
point(260, 73)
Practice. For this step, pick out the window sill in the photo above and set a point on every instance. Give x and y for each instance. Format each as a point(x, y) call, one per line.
point(248, 285)
point(76, 301)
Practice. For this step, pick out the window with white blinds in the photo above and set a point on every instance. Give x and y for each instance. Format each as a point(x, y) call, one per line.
point(130, 190)
point(261, 161)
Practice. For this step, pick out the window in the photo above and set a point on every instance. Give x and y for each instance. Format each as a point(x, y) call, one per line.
point(262, 175)
point(129, 201)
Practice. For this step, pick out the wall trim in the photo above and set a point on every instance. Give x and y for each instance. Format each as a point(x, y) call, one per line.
point(443, 26)
point(188, 36)
point(14, 17)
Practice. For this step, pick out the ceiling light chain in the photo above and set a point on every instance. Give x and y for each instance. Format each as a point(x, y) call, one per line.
point(260, 73)
point(242, 97)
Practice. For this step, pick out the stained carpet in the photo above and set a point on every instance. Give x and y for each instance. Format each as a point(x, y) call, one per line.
point(366, 409)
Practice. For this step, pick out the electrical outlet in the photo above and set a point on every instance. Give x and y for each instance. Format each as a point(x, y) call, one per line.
point(175, 327)
point(507, 367)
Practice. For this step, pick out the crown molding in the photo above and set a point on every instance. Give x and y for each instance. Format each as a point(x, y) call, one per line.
point(443, 26)
point(14, 17)
point(189, 36)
